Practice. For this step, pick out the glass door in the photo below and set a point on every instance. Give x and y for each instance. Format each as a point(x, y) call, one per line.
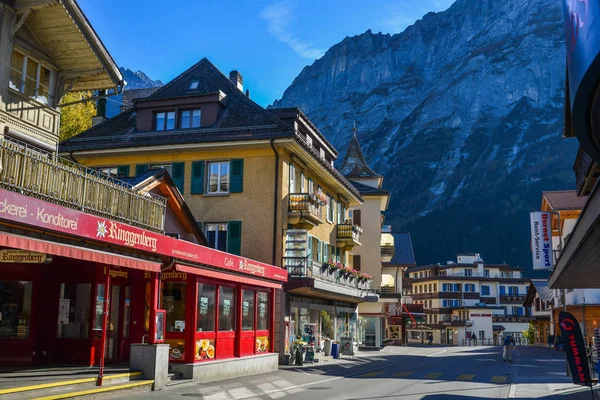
point(112, 330)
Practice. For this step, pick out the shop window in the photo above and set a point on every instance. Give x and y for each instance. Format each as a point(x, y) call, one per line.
point(206, 307)
point(263, 323)
point(226, 308)
point(99, 307)
point(247, 310)
point(15, 309)
point(173, 302)
point(74, 311)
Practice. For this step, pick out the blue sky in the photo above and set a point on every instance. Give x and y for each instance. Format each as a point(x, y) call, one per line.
point(269, 42)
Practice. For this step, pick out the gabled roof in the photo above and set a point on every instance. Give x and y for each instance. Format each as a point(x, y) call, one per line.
point(541, 286)
point(241, 119)
point(366, 190)
point(565, 200)
point(403, 250)
point(354, 164)
point(146, 181)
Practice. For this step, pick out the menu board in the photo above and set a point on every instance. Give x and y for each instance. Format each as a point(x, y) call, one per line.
point(203, 308)
point(63, 311)
point(226, 307)
point(347, 346)
point(245, 308)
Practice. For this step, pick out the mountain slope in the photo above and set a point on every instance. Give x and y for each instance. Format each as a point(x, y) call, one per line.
point(138, 79)
point(462, 114)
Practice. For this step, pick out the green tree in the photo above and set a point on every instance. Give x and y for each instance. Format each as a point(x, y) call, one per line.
point(529, 334)
point(76, 118)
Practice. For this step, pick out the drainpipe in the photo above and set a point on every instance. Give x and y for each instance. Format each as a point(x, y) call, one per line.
point(275, 192)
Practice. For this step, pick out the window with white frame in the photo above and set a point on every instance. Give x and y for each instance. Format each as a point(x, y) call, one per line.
point(110, 171)
point(164, 121)
point(216, 235)
point(189, 119)
point(468, 272)
point(218, 177)
point(292, 178)
point(166, 167)
point(302, 182)
point(31, 78)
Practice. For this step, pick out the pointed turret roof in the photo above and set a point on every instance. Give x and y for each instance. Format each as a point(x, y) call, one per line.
point(354, 164)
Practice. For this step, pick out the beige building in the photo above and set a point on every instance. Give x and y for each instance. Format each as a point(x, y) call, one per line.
point(261, 184)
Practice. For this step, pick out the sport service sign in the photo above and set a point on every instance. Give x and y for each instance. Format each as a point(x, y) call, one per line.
point(541, 240)
point(575, 348)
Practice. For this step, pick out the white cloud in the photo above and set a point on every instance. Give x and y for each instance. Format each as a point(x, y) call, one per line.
point(278, 16)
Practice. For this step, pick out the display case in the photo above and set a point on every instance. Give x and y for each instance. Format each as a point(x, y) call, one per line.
point(296, 257)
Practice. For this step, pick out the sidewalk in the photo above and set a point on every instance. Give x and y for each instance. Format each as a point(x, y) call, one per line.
point(541, 373)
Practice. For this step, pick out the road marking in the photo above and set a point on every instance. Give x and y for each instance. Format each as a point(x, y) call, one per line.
point(465, 377)
point(403, 374)
point(370, 374)
point(433, 375)
point(498, 379)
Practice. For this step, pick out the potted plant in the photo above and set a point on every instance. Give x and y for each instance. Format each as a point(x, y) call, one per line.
point(319, 198)
point(362, 277)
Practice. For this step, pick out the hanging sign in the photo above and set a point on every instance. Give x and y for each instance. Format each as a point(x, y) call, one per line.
point(541, 240)
point(23, 257)
point(575, 348)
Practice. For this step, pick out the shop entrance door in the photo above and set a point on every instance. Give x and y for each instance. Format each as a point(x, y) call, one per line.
point(117, 332)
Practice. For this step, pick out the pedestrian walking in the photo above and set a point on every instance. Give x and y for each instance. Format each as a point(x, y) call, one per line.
point(474, 338)
point(509, 343)
point(430, 338)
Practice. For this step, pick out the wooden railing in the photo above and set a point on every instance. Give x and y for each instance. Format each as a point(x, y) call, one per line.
point(302, 202)
point(57, 180)
point(349, 231)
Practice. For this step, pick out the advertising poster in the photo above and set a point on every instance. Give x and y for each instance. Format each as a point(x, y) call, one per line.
point(205, 349)
point(176, 349)
point(63, 311)
point(347, 346)
point(226, 307)
point(203, 307)
point(541, 240)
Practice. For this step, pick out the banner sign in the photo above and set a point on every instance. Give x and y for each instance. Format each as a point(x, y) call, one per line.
point(31, 211)
point(541, 240)
point(575, 348)
point(23, 257)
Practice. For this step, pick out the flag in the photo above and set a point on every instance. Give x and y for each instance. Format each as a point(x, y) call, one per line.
point(575, 348)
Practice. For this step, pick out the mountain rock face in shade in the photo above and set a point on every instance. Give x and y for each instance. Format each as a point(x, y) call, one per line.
point(462, 113)
point(138, 79)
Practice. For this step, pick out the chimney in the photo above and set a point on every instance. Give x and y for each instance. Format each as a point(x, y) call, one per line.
point(237, 79)
point(248, 93)
point(100, 109)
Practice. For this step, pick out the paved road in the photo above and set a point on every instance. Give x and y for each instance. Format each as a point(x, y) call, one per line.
point(402, 373)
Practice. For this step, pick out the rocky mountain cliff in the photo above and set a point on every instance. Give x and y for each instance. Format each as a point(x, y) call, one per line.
point(138, 79)
point(462, 113)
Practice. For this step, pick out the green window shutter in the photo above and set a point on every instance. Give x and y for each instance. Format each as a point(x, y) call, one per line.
point(320, 251)
point(178, 169)
point(234, 237)
point(309, 248)
point(123, 170)
point(237, 176)
point(140, 169)
point(198, 177)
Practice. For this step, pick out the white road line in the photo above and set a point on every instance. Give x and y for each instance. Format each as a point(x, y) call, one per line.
point(276, 393)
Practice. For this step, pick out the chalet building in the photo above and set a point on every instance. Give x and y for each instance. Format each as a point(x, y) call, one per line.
point(260, 183)
point(540, 300)
point(468, 297)
point(96, 261)
point(375, 245)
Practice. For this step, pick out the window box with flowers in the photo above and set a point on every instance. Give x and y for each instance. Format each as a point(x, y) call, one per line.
point(332, 266)
point(319, 198)
point(364, 277)
point(348, 273)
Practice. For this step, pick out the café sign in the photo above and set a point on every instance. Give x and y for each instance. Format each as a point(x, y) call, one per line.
point(23, 257)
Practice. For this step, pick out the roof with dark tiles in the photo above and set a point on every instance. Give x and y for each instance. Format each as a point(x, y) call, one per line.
point(367, 190)
point(403, 250)
point(354, 164)
point(242, 119)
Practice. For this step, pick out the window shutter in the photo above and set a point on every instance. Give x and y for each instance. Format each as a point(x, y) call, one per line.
point(140, 169)
point(319, 251)
point(234, 237)
point(309, 248)
point(197, 177)
point(178, 169)
point(356, 217)
point(237, 176)
point(356, 262)
point(123, 171)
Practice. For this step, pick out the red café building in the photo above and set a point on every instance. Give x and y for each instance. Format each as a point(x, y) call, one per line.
point(79, 288)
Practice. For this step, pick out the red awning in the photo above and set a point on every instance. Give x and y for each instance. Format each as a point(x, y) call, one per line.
point(226, 276)
point(79, 253)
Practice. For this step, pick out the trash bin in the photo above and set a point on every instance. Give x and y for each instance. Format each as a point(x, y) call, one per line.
point(334, 350)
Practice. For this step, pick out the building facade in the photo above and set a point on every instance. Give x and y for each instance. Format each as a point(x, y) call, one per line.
point(468, 297)
point(540, 300)
point(261, 183)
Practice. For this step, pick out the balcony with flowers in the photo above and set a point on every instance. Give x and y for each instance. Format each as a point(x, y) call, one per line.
point(304, 209)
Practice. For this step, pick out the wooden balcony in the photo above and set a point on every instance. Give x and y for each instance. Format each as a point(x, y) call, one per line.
point(303, 211)
point(348, 236)
point(586, 173)
point(54, 179)
point(32, 118)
